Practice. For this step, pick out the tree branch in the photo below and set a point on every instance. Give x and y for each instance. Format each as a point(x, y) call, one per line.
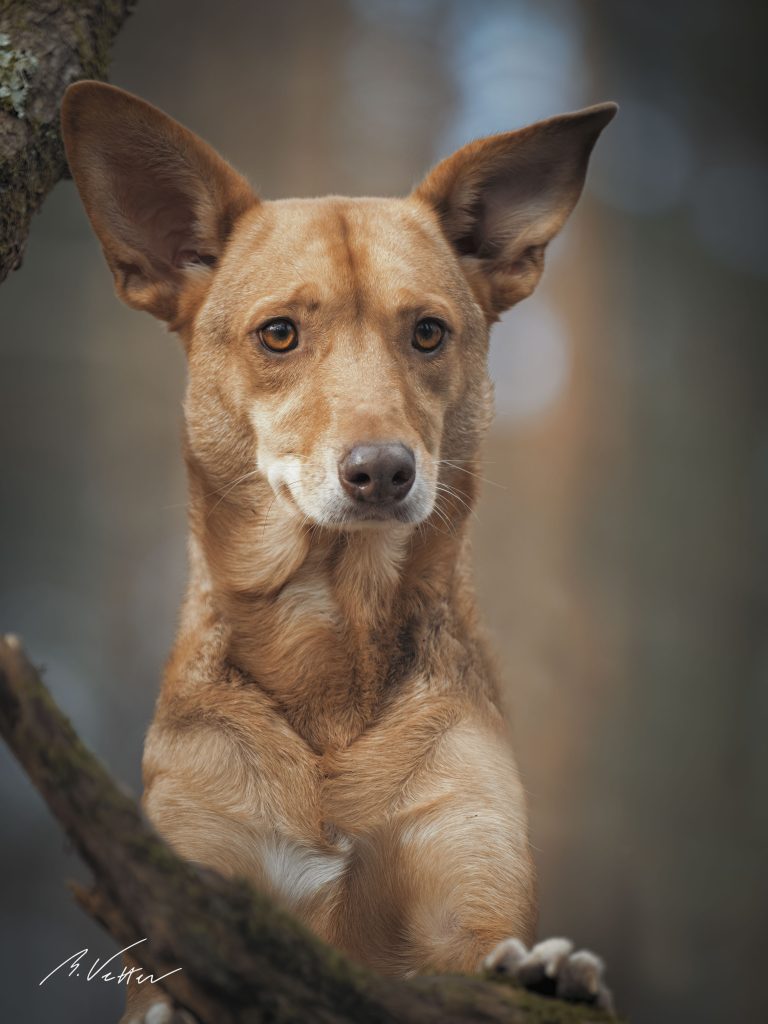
point(244, 960)
point(44, 46)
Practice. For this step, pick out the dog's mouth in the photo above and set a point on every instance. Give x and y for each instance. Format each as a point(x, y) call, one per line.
point(359, 514)
point(343, 513)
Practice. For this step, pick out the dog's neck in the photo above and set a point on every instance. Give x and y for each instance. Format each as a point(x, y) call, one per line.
point(328, 623)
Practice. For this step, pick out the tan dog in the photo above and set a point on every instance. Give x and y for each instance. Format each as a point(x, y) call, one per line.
point(329, 723)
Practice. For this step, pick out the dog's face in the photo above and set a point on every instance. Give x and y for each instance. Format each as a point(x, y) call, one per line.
point(337, 347)
point(339, 338)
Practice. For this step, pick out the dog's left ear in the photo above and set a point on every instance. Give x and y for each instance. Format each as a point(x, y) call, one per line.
point(501, 199)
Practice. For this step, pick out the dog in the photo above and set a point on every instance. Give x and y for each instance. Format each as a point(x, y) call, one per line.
point(329, 724)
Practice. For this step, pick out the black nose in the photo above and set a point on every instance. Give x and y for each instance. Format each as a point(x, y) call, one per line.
point(378, 472)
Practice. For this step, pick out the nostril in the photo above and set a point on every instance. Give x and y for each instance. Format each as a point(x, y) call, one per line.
point(402, 476)
point(359, 479)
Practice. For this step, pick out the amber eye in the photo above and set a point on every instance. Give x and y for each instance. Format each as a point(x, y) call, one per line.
point(428, 335)
point(279, 335)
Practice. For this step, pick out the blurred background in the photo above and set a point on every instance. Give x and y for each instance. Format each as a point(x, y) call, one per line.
point(621, 540)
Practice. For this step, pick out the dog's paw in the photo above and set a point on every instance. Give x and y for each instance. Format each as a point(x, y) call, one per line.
point(552, 968)
point(161, 1011)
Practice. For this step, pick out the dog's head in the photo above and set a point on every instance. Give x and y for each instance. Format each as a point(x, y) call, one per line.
point(337, 347)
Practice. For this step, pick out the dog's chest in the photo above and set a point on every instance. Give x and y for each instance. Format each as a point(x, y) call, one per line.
point(306, 866)
point(310, 839)
point(298, 870)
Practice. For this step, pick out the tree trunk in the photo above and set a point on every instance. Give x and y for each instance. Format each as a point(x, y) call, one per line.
point(44, 46)
point(243, 959)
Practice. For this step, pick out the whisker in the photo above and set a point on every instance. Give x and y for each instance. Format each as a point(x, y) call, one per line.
point(266, 517)
point(230, 488)
point(269, 508)
point(445, 489)
point(442, 516)
point(460, 469)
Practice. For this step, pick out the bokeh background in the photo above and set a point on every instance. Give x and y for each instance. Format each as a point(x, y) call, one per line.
point(621, 540)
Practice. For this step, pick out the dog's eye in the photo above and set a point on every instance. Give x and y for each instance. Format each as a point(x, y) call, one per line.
point(279, 335)
point(428, 335)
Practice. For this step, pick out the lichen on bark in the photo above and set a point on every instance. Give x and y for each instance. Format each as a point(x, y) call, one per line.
point(17, 68)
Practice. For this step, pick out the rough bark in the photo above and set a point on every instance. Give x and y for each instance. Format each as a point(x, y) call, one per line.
point(44, 46)
point(243, 959)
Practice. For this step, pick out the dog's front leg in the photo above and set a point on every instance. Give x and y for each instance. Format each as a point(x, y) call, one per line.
point(455, 893)
point(438, 887)
point(441, 871)
point(232, 789)
point(443, 879)
point(471, 902)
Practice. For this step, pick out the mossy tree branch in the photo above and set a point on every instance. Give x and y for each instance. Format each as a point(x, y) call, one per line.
point(44, 46)
point(244, 960)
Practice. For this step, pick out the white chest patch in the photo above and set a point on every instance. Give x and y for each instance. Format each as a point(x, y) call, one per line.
point(297, 871)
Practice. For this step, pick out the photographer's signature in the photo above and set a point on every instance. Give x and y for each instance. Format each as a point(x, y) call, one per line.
point(98, 970)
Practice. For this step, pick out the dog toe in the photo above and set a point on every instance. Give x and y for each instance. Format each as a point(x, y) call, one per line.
point(506, 957)
point(582, 979)
point(552, 968)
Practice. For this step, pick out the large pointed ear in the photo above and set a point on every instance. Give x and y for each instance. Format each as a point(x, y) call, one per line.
point(501, 199)
point(159, 198)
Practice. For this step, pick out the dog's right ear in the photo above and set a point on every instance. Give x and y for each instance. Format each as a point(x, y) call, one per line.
point(159, 198)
